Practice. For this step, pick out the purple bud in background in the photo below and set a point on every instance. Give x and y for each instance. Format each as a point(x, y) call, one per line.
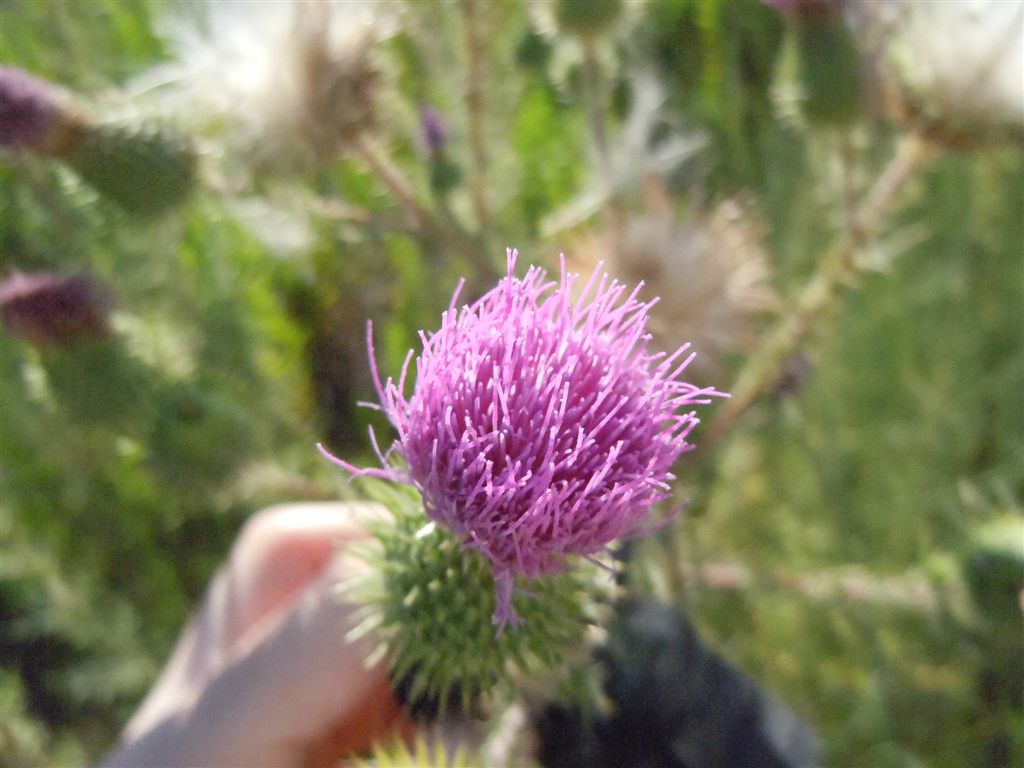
point(540, 425)
point(48, 309)
point(30, 110)
point(435, 134)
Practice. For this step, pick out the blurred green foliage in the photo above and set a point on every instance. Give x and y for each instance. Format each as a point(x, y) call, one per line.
point(130, 463)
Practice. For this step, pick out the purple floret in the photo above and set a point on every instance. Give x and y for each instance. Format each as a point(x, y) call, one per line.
point(541, 426)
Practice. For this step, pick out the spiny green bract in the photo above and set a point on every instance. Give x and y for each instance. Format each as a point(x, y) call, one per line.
point(420, 754)
point(431, 602)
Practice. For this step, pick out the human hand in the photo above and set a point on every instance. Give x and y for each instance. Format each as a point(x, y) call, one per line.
point(263, 675)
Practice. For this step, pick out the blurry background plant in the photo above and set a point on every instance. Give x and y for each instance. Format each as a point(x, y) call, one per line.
point(965, 100)
point(139, 165)
point(281, 173)
point(709, 270)
point(287, 86)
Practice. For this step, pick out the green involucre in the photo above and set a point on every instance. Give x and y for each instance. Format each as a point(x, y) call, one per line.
point(431, 601)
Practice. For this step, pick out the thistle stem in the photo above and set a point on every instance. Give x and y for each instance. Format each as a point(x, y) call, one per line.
point(911, 591)
point(351, 214)
point(596, 107)
point(820, 294)
point(475, 110)
point(392, 178)
point(500, 748)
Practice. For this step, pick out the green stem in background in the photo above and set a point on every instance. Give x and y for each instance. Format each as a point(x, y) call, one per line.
point(596, 105)
point(352, 214)
point(912, 591)
point(821, 293)
point(394, 180)
point(475, 110)
point(850, 189)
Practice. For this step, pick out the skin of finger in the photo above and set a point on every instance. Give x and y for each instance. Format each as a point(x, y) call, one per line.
point(277, 554)
point(185, 674)
point(280, 551)
point(380, 718)
point(267, 706)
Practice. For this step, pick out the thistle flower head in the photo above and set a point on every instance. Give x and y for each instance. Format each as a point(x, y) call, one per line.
point(48, 309)
point(541, 426)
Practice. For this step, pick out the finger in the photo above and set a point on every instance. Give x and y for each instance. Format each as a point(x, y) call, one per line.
point(378, 718)
point(280, 551)
point(268, 705)
point(189, 666)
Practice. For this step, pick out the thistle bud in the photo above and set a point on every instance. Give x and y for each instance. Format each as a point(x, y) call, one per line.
point(828, 59)
point(444, 173)
point(587, 18)
point(994, 570)
point(98, 381)
point(143, 168)
point(435, 134)
point(423, 752)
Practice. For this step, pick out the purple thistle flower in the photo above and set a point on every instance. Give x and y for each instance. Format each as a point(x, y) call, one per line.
point(47, 309)
point(540, 426)
point(30, 110)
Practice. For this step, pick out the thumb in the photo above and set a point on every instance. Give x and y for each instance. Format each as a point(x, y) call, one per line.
point(302, 691)
point(265, 675)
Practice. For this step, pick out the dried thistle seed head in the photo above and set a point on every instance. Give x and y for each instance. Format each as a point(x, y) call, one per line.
point(952, 70)
point(286, 86)
point(710, 271)
point(337, 81)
